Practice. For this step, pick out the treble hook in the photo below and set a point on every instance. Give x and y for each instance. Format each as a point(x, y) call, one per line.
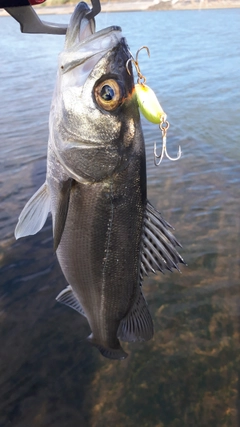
point(135, 62)
point(164, 125)
point(150, 107)
point(96, 9)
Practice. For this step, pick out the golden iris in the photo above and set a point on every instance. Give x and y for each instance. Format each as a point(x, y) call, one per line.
point(108, 95)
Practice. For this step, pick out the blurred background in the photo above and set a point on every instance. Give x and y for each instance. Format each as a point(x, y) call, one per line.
point(188, 374)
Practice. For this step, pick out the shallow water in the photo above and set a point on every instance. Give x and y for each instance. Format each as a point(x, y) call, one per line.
point(188, 375)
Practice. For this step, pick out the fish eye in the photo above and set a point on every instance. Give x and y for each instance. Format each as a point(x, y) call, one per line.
point(108, 95)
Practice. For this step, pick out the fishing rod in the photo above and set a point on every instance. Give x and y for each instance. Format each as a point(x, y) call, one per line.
point(23, 12)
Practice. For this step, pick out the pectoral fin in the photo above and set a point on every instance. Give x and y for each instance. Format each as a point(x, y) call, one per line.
point(158, 244)
point(61, 211)
point(138, 324)
point(34, 213)
point(67, 297)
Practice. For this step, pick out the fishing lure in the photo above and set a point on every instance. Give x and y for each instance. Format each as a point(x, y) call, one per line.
point(151, 108)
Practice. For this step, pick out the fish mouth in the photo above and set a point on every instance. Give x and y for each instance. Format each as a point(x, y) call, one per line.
point(82, 30)
point(98, 34)
point(83, 42)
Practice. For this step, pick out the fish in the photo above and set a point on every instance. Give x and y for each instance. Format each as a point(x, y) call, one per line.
point(107, 235)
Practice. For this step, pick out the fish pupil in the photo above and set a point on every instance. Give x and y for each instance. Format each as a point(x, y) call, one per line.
point(107, 93)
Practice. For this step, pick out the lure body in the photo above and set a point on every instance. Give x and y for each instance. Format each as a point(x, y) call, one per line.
point(149, 104)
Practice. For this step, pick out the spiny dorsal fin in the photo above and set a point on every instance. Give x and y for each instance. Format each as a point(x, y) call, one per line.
point(158, 244)
point(61, 211)
point(67, 297)
point(34, 213)
point(138, 324)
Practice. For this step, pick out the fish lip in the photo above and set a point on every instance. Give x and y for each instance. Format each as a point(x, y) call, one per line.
point(100, 33)
point(80, 52)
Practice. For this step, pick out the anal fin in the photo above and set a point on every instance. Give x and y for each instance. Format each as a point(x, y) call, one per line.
point(68, 297)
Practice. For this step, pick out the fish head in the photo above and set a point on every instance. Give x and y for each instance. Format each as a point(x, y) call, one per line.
point(94, 119)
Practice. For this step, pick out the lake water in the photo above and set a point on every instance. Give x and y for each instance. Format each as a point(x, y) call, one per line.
point(189, 374)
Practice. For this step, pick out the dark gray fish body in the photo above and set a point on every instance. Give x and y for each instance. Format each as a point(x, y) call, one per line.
point(100, 246)
point(106, 234)
point(99, 251)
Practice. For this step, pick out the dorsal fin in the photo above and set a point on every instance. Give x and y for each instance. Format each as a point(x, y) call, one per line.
point(158, 244)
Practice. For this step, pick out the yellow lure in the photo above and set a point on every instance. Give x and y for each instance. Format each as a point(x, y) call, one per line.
point(148, 104)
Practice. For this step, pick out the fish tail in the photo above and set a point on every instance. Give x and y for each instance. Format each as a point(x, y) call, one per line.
point(116, 353)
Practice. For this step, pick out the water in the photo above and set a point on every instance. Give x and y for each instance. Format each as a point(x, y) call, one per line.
point(188, 375)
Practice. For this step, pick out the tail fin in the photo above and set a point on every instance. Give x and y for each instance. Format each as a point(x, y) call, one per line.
point(116, 353)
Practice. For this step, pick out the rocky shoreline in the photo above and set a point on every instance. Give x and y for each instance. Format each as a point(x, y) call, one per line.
point(126, 6)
